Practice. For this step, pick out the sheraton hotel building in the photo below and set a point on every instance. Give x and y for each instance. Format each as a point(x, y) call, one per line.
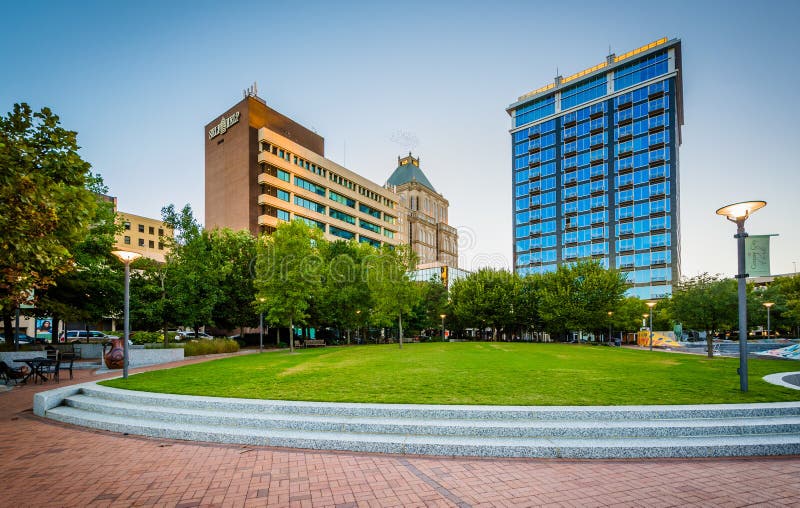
point(595, 169)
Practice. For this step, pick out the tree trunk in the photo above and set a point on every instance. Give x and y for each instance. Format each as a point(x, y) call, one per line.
point(709, 344)
point(400, 330)
point(348, 336)
point(54, 327)
point(291, 335)
point(8, 329)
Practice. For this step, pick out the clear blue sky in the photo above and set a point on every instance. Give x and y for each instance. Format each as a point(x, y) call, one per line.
point(139, 80)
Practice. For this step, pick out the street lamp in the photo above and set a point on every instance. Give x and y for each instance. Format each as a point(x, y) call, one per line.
point(261, 328)
point(610, 313)
point(126, 257)
point(738, 213)
point(768, 305)
point(651, 305)
point(443, 316)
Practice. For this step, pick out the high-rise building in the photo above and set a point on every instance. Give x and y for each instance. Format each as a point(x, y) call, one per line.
point(262, 168)
point(595, 169)
point(423, 223)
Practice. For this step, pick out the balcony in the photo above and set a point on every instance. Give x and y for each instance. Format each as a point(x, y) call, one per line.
point(598, 208)
point(597, 176)
point(597, 161)
point(625, 170)
point(598, 192)
point(659, 229)
point(658, 248)
point(624, 105)
point(572, 182)
point(657, 162)
point(656, 112)
point(625, 121)
point(596, 115)
point(570, 138)
point(625, 185)
point(626, 219)
point(534, 149)
point(656, 95)
point(597, 146)
point(656, 146)
point(263, 199)
point(535, 234)
point(598, 221)
point(624, 266)
point(625, 153)
point(625, 137)
point(598, 256)
point(625, 249)
point(569, 124)
point(658, 178)
point(626, 234)
point(597, 130)
point(570, 153)
point(570, 165)
point(534, 164)
point(571, 198)
point(534, 135)
point(658, 263)
point(658, 213)
point(658, 192)
point(535, 191)
point(656, 128)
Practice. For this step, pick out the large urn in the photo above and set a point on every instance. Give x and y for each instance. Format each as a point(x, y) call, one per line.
point(114, 357)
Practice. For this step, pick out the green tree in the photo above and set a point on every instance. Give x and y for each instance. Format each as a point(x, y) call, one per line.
point(393, 293)
point(628, 313)
point(151, 309)
point(344, 289)
point(487, 297)
point(705, 302)
point(429, 305)
point(192, 283)
point(288, 269)
point(46, 206)
point(579, 296)
point(233, 257)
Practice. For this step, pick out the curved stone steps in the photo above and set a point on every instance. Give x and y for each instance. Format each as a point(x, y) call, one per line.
point(492, 431)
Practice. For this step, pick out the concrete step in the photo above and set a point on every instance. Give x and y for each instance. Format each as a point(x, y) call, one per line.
point(448, 412)
point(438, 445)
point(443, 427)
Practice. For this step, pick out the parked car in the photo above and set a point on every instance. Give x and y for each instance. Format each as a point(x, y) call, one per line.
point(93, 336)
point(23, 338)
point(189, 334)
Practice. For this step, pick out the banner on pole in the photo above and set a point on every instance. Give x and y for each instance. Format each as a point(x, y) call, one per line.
point(756, 252)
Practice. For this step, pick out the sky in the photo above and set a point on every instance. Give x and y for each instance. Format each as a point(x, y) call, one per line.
point(139, 80)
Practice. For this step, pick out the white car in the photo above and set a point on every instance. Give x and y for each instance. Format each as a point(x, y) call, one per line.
point(94, 336)
point(189, 334)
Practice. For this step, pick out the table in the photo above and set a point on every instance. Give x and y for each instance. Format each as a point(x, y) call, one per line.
point(35, 365)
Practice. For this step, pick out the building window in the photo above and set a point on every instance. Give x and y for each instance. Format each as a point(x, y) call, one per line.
point(311, 222)
point(305, 184)
point(151, 230)
point(369, 226)
point(141, 228)
point(127, 240)
point(336, 214)
point(160, 231)
point(341, 199)
point(311, 205)
point(127, 225)
point(151, 244)
point(341, 233)
point(141, 242)
point(283, 215)
point(160, 245)
point(369, 210)
point(282, 175)
point(282, 194)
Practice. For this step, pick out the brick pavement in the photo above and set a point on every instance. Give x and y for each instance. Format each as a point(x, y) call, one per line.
point(44, 463)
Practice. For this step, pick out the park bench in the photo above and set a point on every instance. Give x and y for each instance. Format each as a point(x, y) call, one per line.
point(314, 342)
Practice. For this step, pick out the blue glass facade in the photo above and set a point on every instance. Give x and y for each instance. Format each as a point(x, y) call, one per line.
point(595, 170)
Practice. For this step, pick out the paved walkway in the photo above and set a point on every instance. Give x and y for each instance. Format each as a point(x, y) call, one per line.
point(44, 463)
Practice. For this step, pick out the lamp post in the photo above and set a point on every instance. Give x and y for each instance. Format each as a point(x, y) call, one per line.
point(261, 328)
point(610, 313)
point(768, 305)
point(651, 305)
point(738, 213)
point(126, 257)
point(443, 316)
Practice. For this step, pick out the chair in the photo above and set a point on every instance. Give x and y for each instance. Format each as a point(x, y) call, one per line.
point(66, 362)
point(11, 374)
point(51, 369)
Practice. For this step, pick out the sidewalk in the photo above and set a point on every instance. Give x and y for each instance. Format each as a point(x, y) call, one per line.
point(44, 463)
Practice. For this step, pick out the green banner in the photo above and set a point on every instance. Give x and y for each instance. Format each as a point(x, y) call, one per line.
point(756, 254)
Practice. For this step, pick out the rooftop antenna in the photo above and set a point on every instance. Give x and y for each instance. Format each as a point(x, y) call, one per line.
point(251, 91)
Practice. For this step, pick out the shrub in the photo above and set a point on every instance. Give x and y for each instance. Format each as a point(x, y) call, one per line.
point(209, 347)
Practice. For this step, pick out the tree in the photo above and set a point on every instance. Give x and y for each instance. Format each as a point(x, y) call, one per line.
point(628, 313)
point(288, 267)
point(393, 293)
point(45, 204)
point(487, 297)
point(579, 296)
point(705, 302)
point(344, 287)
point(429, 305)
point(233, 254)
point(191, 283)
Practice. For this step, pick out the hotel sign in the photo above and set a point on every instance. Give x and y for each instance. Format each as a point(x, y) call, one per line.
point(223, 125)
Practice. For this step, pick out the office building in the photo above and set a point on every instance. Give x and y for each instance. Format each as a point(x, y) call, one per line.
point(595, 169)
point(146, 236)
point(262, 168)
point(423, 221)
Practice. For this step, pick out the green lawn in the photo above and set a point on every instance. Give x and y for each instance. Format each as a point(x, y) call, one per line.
point(473, 373)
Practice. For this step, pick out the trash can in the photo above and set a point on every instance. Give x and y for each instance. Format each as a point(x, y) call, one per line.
point(618, 341)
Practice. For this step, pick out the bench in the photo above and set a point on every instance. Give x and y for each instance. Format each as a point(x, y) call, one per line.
point(67, 349)
point(67, 354)
point(314, 342)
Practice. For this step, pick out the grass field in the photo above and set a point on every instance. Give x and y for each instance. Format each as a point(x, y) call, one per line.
point(472, 373)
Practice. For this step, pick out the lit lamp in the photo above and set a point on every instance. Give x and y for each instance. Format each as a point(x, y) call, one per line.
point(610, 313)
point(738, 213)
point(127, 258)
point(443, 316)
point(261, 328)
point(768, 305)
point(651, 305)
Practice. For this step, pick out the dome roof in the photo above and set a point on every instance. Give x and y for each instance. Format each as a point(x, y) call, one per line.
point(408, 171)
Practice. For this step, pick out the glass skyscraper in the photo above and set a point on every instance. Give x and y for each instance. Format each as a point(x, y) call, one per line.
point(595, 169)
